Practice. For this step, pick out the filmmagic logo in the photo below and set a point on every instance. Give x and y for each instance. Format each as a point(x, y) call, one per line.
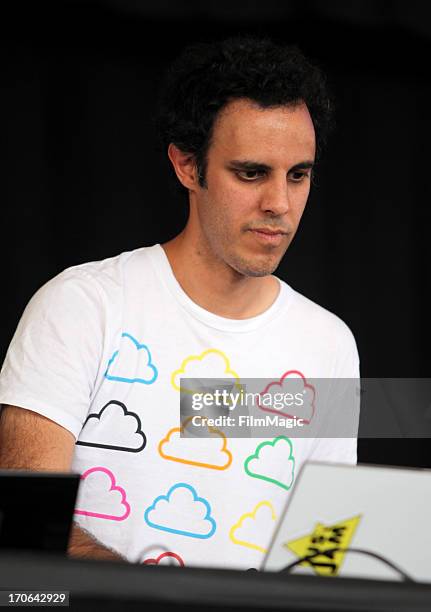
point(268, 407)
point(231, 400)
point(247, 421)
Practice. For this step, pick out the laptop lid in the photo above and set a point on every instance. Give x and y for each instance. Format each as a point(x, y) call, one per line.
point(384, 510)
point(36, 509)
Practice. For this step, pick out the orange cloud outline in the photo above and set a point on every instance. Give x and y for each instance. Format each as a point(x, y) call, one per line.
point(180, 429)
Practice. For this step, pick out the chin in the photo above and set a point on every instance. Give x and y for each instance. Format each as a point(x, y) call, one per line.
point(250, 267)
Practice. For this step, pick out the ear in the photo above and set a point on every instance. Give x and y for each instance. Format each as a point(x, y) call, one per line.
point(185, 167)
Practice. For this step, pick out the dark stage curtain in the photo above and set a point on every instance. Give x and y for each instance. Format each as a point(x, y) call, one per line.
point(84, 179)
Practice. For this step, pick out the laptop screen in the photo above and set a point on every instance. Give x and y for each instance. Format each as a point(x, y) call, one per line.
point(379, 509)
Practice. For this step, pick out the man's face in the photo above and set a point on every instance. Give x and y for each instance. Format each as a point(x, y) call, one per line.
point(257, 184)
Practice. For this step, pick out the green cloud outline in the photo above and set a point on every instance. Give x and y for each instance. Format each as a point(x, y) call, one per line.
point(255, 455)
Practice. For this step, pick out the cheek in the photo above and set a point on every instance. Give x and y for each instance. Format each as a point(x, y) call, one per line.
point(228, 203)
point(298, 198)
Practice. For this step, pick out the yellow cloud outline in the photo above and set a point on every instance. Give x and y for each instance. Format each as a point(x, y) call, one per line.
point(224, 449)
point(201, 357)
point(251, 515)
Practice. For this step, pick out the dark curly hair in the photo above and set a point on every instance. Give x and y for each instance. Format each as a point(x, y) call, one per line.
point(206, 76)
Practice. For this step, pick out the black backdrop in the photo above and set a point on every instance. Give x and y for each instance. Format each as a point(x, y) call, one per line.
point(84, 179)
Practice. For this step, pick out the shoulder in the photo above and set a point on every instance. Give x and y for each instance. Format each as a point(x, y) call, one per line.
point(323, 332)
point(104, 277)
point(87, 290)
point(319, 320)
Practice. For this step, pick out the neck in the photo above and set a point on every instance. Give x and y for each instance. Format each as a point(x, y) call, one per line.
point(214, 285)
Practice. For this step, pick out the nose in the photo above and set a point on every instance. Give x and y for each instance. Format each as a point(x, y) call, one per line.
point(275, 198)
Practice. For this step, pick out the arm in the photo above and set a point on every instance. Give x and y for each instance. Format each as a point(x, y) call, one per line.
point(30, 441)
point(83, 544)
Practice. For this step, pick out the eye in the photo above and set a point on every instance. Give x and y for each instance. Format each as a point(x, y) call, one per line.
point(249, 175)
point(299, 176)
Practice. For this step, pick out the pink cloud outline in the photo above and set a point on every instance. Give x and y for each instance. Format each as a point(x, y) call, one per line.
point(113, 488)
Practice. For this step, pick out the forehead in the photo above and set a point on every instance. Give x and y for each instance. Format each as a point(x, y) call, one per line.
point(245, 130)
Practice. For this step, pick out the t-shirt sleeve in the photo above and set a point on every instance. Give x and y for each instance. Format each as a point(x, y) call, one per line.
point(346, 379)
point(53, 360)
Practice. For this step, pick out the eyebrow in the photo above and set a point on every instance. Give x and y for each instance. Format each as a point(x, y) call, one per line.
point(245, 164)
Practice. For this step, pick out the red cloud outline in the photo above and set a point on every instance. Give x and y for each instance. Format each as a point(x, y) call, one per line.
point(152, 561)
point(279, 383)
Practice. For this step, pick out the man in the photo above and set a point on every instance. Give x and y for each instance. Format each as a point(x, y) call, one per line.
point(92, 378)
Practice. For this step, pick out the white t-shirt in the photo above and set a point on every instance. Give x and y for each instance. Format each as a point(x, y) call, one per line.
point(100, 350)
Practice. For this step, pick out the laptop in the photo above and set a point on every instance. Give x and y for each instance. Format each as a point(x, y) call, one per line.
point(383, 511)
point(36, 509)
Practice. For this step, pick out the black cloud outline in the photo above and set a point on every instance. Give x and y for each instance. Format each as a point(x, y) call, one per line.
point(97, 415)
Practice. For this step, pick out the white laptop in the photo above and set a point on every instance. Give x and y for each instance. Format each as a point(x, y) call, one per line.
point(383, 510)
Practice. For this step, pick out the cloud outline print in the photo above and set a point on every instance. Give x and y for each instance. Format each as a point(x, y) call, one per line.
point(196, 498)
point(255, 455)
point(224, 449)
point(156, 560)
point(201, 357)
point(279, 383)
point(251, 515)
point(124, 501)
point(98, 415)
point(132, 380)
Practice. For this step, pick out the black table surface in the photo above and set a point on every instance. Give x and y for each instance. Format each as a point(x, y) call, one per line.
point(107, 585)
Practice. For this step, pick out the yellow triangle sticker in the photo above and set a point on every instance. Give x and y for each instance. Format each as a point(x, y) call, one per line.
point(321, 543)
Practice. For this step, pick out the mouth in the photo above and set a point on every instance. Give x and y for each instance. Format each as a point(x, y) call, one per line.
point(269, 236)
point(269, 232)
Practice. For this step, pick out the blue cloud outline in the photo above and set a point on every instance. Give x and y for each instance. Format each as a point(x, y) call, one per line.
point(179, 531)
point(132, 380)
